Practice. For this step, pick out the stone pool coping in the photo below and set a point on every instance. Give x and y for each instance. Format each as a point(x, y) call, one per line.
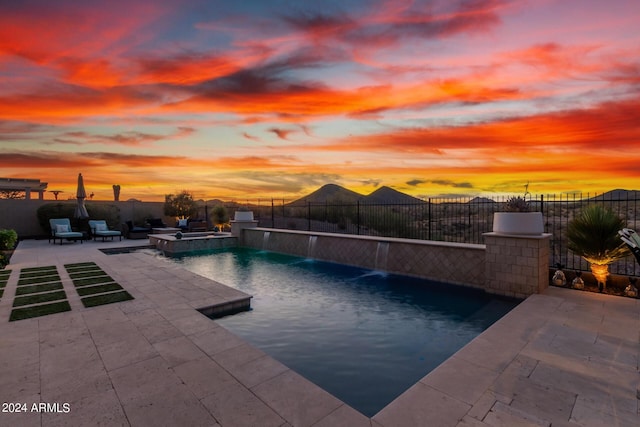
point(561, 358)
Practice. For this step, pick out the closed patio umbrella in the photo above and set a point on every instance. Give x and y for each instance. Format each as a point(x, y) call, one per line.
point(81, 194)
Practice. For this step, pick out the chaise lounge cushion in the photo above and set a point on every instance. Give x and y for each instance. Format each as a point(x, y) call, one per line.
point(133, 232)
point(156, 223)
point(61, 229)
point(100, 228)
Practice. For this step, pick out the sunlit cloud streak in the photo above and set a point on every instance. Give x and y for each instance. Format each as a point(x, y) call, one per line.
point(251, 98)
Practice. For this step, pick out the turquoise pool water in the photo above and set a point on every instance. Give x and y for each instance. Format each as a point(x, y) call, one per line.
point(363, 336)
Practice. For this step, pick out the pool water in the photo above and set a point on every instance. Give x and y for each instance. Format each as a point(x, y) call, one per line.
point(364, 336)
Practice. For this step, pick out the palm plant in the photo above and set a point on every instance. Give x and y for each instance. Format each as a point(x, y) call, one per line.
point(593, 235)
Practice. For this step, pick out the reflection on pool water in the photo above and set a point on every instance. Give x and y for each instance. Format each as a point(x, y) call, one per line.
point(364, 336)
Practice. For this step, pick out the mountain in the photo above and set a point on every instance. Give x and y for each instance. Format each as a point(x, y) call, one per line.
point(481, 200)
point(335, 193)
point(389, 195)
point(618, 194)
point(330, 193)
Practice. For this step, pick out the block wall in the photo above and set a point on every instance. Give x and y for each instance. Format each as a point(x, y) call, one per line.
point(516, 266)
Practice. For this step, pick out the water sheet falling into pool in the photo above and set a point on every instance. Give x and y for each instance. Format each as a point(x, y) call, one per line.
point(382, 255)
point(311, 249)
point(265, 240)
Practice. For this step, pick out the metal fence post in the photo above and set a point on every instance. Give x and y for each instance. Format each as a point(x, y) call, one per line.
point(429, 219)
point(358, 215)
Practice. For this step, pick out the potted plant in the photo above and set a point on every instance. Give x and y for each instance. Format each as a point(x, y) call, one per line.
point(517, 218)
point(593, 235)
point(220, 216)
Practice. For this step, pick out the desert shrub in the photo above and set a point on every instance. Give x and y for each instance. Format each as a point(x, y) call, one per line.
point(180, 205)
point(8, 239)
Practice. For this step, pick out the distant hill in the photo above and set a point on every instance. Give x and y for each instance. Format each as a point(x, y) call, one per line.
point(618, 194)
point(482, 200)
point(330, 193)
point(389, 195)
point(336, 193)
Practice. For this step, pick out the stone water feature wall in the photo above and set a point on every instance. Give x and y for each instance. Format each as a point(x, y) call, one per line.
point(455, 263)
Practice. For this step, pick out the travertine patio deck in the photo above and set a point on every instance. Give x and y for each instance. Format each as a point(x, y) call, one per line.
point(565, 358)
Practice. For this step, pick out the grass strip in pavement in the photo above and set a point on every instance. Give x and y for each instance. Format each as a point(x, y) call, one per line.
point(84, 274)
point(39, 298)
point(34, 289)
point(80, 264)
point(92, 281)
point(99, 289)
point(37, 274)
point(36, 280)
point(39, 310)
point(106, 299)
point(1, 292)
point(34, 269)
point(3, 283)
point(82, 269)
point(4, 274)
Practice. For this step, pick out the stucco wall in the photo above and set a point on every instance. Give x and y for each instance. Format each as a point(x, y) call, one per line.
point(21, 215)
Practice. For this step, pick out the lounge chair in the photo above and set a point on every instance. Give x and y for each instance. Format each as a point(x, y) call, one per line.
point(133, 232)
point(99, 228)
point(156, 223)
point(632, 239)
point(61, 229)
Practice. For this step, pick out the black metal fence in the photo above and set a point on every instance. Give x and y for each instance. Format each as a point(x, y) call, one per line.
point(461, 220)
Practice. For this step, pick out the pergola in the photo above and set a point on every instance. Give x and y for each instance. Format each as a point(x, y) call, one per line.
point(26, 185)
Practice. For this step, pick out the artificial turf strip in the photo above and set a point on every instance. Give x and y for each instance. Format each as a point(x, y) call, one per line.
point(106, 299)
point(1, 292)
point(39, 298)
point(93, 281)
point(33, 289)
point(99, 289)
point(36, 280)
point(39, 310)
point(36, 274)
point(30, 269)
point(3, 283)
point(80, 264)
point(82, 268)
point(85, 274)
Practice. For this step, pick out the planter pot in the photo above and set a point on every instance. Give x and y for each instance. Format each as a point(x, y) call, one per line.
point(524, 223)
point(243, 216)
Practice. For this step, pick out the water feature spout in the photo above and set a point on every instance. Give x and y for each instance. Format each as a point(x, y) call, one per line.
point(311, 249)
point(265, 240)
point(382, 255)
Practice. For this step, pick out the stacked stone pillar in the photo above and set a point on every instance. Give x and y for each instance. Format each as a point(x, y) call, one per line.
point(516, 265)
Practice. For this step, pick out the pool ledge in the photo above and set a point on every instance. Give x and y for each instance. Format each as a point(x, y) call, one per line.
point(192, 242)
point(228, 307)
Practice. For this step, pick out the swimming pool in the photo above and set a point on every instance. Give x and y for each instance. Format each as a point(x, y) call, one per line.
point(363, 336)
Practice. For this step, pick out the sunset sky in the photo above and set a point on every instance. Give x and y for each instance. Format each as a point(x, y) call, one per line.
point(265, 98)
